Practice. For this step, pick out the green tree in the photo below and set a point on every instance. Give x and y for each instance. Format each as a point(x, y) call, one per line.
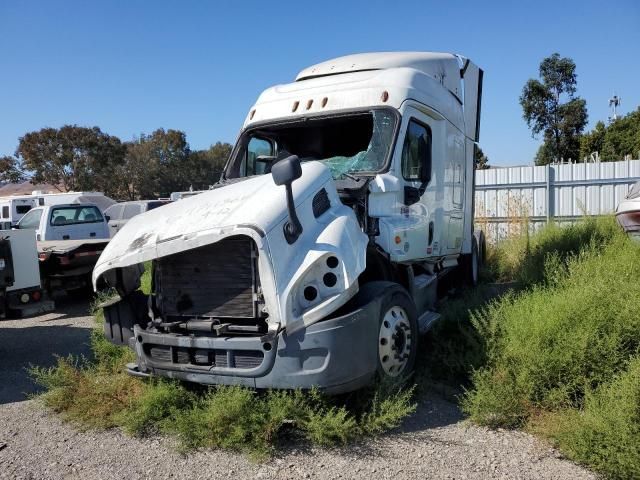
point(623, 138)
point(10, 170)
point(482, 161)
point(207, 165)
point(593, 141)
point(551, 108)
point(615, 141)
point(155, 165)
point(72, 158)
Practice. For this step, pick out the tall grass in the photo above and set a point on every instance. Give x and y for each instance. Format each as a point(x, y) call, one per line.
point(605, 433)
point(522, 258)
point(561, 354)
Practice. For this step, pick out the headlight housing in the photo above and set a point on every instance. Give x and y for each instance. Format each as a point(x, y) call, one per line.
point(321, 283)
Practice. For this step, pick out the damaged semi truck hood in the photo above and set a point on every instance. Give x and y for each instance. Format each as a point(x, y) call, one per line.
point(257, 208)
point(255, 203)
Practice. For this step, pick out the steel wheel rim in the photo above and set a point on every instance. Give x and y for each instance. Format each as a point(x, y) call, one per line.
point(394, 341)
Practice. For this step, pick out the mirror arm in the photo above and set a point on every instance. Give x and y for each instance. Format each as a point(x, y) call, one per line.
point(293, 228)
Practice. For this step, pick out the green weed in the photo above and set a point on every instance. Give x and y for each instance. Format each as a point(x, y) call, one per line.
point(605, 433)
point(98, 394)
point(552, 348)
point(522, 258)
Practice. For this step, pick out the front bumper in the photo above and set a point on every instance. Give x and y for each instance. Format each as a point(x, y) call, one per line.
point(336, 355)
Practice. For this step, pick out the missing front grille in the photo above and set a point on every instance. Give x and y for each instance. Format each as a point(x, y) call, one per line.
point(214, 281)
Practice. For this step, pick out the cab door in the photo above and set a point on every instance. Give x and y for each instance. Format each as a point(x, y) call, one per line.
point(417, 175)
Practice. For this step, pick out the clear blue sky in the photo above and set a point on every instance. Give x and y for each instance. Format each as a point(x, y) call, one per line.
point(132, 66)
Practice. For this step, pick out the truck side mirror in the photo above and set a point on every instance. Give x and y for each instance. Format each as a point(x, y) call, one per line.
point(286, 170)
point(284, 173)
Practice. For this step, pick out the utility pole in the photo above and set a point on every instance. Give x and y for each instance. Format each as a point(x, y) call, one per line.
point(614, 103)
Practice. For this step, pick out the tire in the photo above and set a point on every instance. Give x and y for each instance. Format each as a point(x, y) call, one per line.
point(474, 264)
point(120, 316)
point(397, 334)
point(482, 247)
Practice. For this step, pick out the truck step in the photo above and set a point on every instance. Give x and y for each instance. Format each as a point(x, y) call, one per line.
point(427, 320)
point(31, 309)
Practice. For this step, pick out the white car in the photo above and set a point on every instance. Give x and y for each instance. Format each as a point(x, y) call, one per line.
point(120, 213)
point(628, 212)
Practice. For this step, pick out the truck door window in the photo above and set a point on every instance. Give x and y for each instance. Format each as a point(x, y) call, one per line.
point(22, 209)
point(257, 146)
point(74, 215)
point(152, 205)
point(5, 212)
point(416, 153)
point(31, 221)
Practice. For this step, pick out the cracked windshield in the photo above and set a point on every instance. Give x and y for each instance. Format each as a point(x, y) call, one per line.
point(346, 144)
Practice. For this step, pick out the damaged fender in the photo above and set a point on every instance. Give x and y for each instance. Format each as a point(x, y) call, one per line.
point(328, 257)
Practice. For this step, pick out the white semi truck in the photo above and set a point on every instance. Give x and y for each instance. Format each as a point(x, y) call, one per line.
point(315, 261)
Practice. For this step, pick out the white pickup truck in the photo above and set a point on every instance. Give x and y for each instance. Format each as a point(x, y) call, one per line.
point(70, 239)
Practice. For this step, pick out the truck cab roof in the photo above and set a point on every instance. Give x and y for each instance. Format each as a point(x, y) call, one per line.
point(442, 81)
point(443, 67)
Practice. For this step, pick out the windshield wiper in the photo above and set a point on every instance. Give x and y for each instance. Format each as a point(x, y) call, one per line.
point(352, 177)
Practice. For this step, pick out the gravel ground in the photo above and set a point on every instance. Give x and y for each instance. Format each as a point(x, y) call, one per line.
point(433, 443)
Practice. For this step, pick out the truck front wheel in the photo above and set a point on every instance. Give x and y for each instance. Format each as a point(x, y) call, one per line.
point(397, 334)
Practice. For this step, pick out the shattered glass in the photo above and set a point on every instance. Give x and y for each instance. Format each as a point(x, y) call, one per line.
point(373, 158)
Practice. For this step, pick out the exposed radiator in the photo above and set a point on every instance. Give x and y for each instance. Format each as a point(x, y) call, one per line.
point(218, 280)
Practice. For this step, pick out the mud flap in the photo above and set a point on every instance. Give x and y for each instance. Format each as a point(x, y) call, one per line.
point(120, 315)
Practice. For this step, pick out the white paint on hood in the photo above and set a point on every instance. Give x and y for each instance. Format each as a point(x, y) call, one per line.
point(255, 204)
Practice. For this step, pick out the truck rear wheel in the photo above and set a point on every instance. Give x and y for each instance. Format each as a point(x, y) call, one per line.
point(397, 334)
point(471, 264)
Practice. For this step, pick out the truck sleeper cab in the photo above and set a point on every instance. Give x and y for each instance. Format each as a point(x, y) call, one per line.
point(315, 260)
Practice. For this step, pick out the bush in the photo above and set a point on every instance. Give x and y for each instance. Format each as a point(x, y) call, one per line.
point(522, 258)
point(98, 394)
point(553, 348)
point(86, 395)
point(549, 344)
point(157, 408)
point(605, 434)
point(452, 349)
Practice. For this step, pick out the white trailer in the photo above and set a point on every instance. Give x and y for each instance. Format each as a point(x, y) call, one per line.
point(12, 209)
point(97, 198)
point(315, 262)
point(20, 288)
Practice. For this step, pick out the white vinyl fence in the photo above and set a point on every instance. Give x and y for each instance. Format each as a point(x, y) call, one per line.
point(506, 197)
